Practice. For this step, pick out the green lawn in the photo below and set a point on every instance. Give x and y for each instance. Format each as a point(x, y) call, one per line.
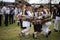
point(12, 33)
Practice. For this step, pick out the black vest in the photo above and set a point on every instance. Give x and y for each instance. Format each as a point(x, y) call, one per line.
point(12, 11)
point(58, 13)
point(26, 12)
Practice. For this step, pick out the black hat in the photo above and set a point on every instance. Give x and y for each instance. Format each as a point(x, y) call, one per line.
point(55, 5)
point(28, 5)
point(20, 2)
point(41, 6)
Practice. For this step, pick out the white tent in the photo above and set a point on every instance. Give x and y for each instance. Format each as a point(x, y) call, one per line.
point(37, 1)
point(0, 0)
point(8, 0)
point(55, 1)
point(43, 1)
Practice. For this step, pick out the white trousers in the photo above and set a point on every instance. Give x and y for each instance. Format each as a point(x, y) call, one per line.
point(26, 31)
point(45, 28)
point(27, 25)
point(56, 23)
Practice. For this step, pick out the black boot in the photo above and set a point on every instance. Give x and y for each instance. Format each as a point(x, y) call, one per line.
point(55, 30)
point(49, 32)
point(34, 36)
point(46, 36)
point(18, 24)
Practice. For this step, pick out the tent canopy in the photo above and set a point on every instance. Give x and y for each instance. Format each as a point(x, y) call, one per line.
point(8, 1)
point(43, 1)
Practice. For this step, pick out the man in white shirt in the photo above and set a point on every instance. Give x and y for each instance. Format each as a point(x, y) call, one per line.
point(18, 13)
point(15, 13)
point(56, 29)
point(7, 12)
point(11, 15)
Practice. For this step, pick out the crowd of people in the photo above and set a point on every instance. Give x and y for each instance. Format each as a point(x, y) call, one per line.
point(7, 13)
point(25, 16)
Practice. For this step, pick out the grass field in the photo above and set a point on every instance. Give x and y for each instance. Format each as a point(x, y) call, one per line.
point(12, 33)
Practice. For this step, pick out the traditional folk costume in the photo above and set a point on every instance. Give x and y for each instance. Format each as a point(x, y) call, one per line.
point(37, 24)
point(26, 22)
point(46, 24)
